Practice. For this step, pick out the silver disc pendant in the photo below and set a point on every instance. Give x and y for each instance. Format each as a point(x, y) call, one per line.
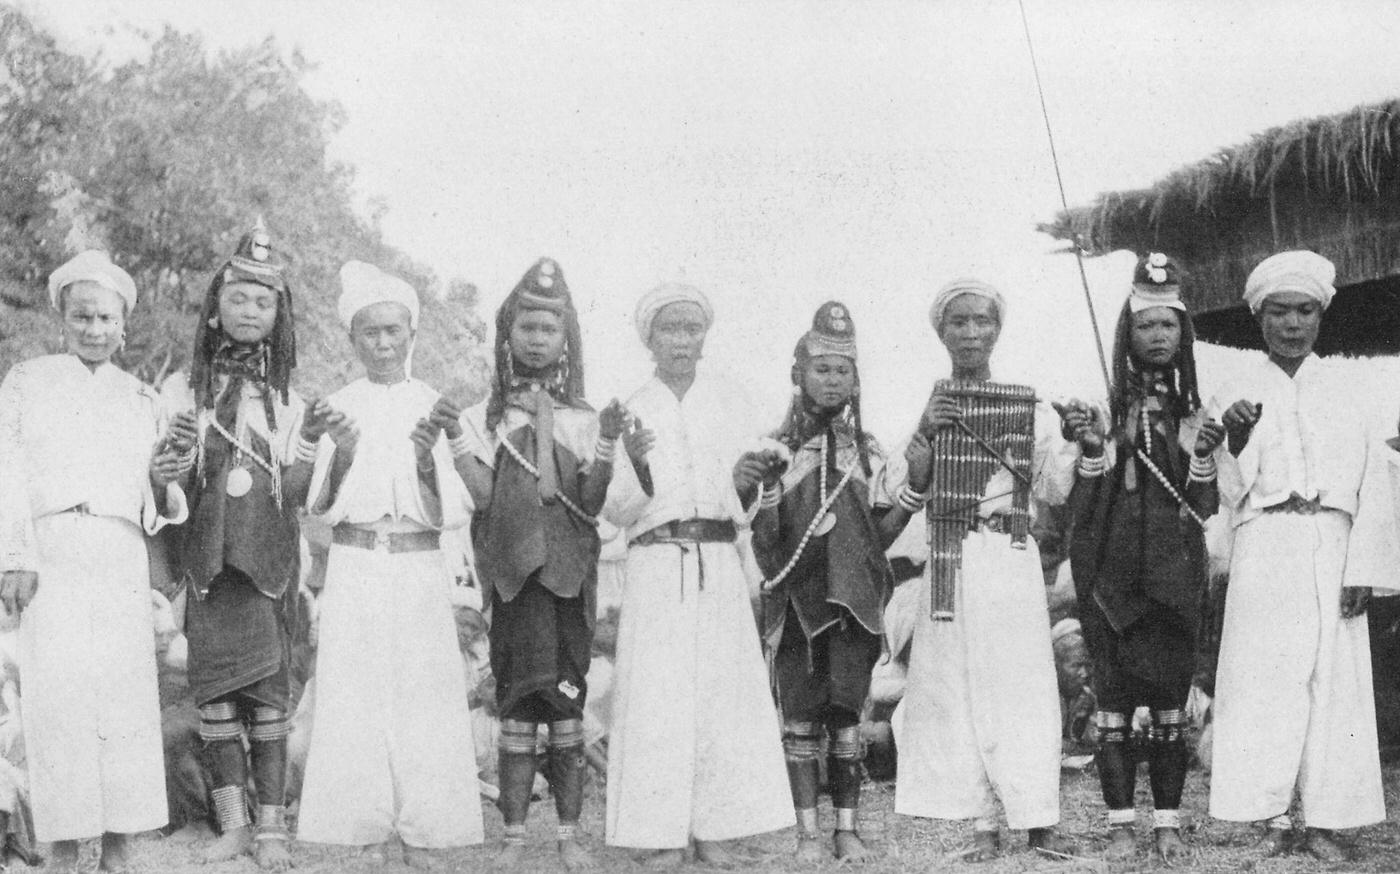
point(827, 523)
point(239, 482)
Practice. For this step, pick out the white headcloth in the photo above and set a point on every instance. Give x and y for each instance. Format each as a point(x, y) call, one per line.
point(363, 285)
point(92, 266)
point(1299, 270)
point(964, 285)
point(668, 293)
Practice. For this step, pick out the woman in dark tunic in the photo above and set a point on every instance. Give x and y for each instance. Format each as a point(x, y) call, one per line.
point(1138, 549)
point(538, 485)
point(827, 581)
point(240, 551)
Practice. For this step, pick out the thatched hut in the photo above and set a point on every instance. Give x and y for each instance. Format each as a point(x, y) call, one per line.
point(1329, 184)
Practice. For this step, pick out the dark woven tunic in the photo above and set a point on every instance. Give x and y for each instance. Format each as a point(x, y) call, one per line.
point(1139, 565)
point(825, 619)
point(540, 562)
point(240, 557)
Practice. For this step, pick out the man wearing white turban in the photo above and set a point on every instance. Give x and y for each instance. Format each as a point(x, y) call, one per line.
point(695, 752)
point(981, 709)
point(392, 753)
point(1298, 472)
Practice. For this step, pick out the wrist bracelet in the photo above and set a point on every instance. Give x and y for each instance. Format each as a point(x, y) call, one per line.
point(306, 449)
point(460, 445)
point(910, 500)
point(1093, 465)
point(1203, 470)
point(605, 450)
point(770, 497)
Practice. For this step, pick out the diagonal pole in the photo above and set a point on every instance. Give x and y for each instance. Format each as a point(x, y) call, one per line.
point(1064, 203)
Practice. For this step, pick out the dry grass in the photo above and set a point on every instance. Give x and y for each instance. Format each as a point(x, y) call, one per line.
point(910, 845)
point(1328, 184)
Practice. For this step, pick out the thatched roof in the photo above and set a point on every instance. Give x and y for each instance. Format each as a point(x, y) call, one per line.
point(1330, 184)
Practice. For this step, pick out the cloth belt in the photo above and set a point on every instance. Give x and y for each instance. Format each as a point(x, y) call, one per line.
point(997, 523)
point(689, 531)
point(77, 510)
point(1296, 503)
point(392, 541)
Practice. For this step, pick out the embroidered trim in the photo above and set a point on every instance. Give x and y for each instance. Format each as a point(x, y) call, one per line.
point(567, 831)
point(1127, 816)
point(232, 808)
point(845, 819)
point(1166, 819)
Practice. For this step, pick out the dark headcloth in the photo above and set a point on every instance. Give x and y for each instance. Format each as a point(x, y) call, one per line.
point(833, 333)
point(254, 260)
point(541, 288)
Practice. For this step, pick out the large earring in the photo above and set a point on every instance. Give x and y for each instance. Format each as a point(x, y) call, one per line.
point(121, 344)
point(796, 391)
point(214, 322)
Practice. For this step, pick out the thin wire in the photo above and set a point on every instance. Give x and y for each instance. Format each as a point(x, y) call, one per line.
point(1064, 202)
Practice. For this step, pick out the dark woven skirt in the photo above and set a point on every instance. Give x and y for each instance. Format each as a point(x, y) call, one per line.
point(238, 643)
point(1151, 663)
point(540, 650)
point(830, 671)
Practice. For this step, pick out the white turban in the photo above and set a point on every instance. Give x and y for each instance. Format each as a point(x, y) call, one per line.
point(92, 266)
point(964, 285)
point(669, 293)
point(1299, 270)
point(363, 285)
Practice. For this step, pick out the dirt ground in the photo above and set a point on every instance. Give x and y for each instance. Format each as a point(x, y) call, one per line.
point(908, 844)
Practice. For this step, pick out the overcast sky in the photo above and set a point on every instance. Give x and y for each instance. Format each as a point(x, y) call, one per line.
point(778, 154)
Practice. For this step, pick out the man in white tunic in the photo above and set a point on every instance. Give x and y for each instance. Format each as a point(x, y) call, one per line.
point(981, 705)
point(1293, 698)
point(391, 750)
point(81, 490)
point(695, 751)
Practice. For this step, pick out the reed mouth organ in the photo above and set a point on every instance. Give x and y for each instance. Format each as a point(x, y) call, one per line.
point(997, 431)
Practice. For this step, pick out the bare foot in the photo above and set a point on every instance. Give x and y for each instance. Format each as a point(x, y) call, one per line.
point(1169, 845)
point(418, 858)
point(714, 854)
point(574, 857)
point(273, 854)
point(63, 856)
point(1322, 845)
point(665, 859)
point(986, 846)
point(809, 848)
point(230, 845)
point(1047, 842)
point(1122, 843)
point(197, 831)
point(376, 854)
point(850, 848)
point(509, 855)
point(114, 853)
point(1274, 842)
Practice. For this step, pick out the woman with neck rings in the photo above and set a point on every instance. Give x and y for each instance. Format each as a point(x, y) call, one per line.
point(83, 487)
point(1138, 551)
point(538, 469)
point(822, 552)
point(239, 555)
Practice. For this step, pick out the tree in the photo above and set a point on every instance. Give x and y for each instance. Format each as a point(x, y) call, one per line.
point(165, 162)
